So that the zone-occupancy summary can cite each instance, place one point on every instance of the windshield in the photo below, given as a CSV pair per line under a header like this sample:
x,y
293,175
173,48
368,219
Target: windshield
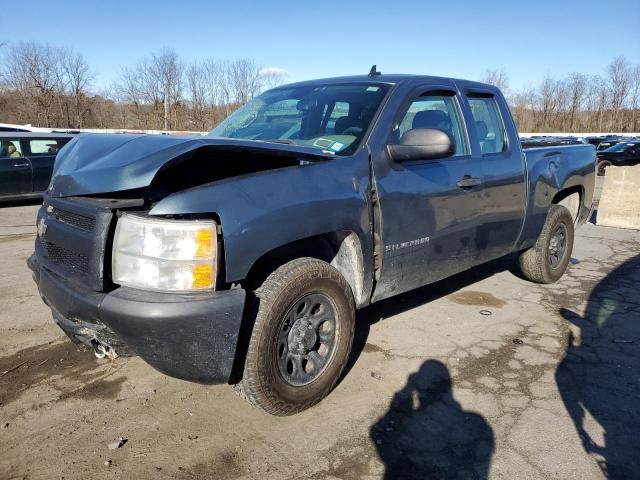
x,y
334,118
606,145
619,147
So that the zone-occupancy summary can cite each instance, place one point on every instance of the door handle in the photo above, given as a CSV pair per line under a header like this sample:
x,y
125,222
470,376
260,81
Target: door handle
x,y
21,165
469,182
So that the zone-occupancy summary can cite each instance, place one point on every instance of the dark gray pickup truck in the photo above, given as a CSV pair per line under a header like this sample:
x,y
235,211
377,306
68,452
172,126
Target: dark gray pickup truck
x,y
240,257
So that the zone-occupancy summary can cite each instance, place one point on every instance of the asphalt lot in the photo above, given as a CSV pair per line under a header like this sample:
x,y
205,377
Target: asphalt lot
x,y
481,374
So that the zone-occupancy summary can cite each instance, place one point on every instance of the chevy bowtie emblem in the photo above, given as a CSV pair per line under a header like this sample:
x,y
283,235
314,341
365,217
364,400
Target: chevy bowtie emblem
x,y
42,228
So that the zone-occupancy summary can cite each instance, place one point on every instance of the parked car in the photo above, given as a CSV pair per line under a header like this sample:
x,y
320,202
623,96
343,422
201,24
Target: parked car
x,y
241,257
609,142
26,163
533,142
620,155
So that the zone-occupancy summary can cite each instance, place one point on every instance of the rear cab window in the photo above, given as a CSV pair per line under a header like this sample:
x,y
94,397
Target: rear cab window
x,y
488,124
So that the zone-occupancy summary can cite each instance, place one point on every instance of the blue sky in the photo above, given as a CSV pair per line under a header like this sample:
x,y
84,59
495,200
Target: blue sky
x,y
330,38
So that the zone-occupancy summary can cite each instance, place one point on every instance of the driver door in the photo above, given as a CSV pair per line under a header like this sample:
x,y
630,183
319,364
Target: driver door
x,y
429,209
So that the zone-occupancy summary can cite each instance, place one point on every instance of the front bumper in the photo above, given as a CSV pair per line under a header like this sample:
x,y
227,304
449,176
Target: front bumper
x,y
192,337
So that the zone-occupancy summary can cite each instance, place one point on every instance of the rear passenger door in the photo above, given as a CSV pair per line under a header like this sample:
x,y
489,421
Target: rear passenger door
x,y
42,154
15,170
503,173
429,208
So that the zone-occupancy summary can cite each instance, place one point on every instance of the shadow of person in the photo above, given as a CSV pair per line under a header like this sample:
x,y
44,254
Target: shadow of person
x,y
427,435
599,375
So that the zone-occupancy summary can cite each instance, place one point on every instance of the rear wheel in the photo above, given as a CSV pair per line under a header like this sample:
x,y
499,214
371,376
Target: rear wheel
x,y
602,167
547,260
301,338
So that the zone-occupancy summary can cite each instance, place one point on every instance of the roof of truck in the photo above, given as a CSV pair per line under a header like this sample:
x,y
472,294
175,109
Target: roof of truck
x,y
388,78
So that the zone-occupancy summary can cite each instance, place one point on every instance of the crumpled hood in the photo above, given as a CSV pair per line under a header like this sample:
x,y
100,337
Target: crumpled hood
x,y
100,163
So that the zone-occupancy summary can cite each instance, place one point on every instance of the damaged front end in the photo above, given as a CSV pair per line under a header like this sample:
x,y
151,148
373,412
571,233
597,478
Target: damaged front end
x,y
189,335
98,180
97,336
71,244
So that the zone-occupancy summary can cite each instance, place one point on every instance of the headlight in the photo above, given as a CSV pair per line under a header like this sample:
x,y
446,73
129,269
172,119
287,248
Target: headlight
x,y
167,255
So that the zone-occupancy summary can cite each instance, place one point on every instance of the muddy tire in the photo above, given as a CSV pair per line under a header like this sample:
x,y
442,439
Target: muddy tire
x,y
301,337
547,260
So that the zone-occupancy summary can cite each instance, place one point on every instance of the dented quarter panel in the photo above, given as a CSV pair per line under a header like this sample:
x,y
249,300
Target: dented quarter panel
x,y
551,169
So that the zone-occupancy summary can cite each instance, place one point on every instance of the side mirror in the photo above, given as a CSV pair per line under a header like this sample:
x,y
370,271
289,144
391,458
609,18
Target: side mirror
x,y
423,144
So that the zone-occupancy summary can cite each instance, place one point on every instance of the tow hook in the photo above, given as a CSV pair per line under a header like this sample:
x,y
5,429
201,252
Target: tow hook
x,y
102,350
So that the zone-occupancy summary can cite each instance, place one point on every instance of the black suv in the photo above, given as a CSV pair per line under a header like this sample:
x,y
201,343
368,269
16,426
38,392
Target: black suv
x,y
625,153
26,162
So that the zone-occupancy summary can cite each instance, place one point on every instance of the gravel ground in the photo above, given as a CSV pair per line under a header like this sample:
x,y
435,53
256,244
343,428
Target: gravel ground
x,y
483,374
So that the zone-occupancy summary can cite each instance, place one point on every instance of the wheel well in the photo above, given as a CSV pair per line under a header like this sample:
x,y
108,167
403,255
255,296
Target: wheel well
x,y
340,249
571,199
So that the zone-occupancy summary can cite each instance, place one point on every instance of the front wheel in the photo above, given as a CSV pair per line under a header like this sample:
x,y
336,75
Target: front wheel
x,y
547,259
301,337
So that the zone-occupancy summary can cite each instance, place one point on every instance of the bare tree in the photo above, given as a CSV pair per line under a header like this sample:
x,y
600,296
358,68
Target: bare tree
x,y
523,104
76,79
576,85
128,91
619,72
196,79
154,86
168,70
498,78
3,43
244,79
548,100
634,98
32,69
603,100
272,77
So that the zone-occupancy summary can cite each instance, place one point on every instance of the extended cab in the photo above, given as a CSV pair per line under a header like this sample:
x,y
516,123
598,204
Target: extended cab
x,y
240,257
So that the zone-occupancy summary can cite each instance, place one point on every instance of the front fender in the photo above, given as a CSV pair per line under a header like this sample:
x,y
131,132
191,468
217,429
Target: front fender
x,y
263,211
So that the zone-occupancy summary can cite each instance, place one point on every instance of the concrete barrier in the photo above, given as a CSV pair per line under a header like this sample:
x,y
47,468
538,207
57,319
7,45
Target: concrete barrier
x,y
620,200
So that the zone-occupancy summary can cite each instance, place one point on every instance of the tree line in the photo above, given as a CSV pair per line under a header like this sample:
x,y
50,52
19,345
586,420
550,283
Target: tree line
x,y
51,86
577,102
